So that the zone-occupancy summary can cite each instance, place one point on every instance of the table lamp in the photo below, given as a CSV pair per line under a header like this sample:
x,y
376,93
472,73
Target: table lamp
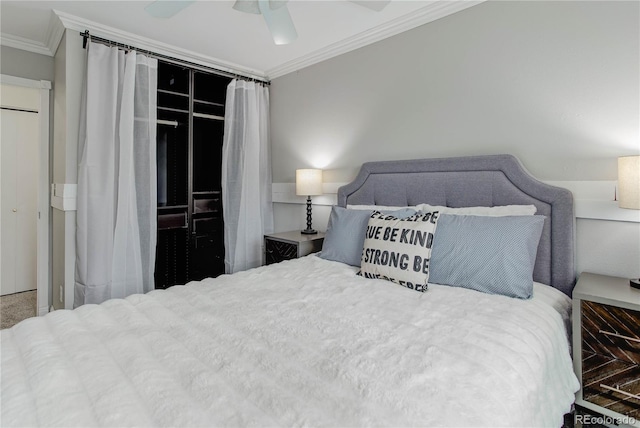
x,y
309,183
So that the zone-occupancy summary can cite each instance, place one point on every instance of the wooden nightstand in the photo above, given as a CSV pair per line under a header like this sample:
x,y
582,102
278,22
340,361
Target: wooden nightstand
x,y
606,347
290,245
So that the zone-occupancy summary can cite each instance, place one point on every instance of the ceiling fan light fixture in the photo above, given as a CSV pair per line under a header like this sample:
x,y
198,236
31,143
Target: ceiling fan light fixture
x,y
251,6
247,6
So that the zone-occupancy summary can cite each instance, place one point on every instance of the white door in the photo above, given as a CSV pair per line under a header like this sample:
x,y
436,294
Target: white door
x,y
18,205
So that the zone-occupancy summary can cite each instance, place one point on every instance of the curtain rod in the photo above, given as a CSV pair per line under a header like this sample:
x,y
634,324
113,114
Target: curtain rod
x,y
85,35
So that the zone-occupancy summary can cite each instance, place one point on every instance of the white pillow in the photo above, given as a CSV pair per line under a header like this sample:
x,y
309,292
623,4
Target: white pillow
x,y
497,211
378,207
399,250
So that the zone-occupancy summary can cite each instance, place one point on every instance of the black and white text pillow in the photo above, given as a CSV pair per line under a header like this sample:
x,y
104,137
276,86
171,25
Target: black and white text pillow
x,y
399,250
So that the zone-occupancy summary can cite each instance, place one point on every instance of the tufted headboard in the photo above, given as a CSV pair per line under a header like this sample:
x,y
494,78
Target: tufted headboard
x,y
476,181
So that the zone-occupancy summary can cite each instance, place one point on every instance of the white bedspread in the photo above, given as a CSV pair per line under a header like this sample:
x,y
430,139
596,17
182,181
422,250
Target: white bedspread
x,y
302,343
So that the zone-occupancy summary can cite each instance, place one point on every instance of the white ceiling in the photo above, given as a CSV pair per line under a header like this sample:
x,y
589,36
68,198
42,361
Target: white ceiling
x,y
213,32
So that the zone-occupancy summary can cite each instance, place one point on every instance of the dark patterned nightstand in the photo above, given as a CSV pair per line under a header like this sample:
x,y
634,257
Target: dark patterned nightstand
x,y
290,245
606,347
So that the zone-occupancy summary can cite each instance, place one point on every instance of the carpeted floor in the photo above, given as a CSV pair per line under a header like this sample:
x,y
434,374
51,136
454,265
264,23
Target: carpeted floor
x,y
16,307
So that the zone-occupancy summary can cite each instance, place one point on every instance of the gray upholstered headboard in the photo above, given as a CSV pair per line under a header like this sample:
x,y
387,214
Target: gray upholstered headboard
x,y
476,181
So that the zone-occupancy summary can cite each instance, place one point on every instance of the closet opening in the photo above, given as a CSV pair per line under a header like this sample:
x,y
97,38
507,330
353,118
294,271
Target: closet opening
x,y
190,243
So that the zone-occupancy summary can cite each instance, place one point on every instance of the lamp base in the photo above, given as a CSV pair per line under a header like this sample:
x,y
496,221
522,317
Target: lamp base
x,y
309,230
635,283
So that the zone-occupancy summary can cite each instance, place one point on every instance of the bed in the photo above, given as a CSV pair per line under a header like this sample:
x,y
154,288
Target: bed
x,y
309,342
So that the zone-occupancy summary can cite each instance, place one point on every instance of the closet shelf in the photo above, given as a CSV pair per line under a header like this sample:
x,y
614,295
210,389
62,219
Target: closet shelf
x,y
177,110
164,91
209,103
208,116
172,207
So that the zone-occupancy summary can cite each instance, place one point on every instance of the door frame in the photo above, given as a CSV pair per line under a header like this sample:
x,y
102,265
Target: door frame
x,y
43,256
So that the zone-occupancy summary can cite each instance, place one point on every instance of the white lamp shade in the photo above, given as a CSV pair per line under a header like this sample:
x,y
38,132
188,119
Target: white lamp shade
x,y
629,182
308,182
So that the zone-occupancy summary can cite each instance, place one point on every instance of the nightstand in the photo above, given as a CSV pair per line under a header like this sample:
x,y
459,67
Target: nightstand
x,y
290,245
606,347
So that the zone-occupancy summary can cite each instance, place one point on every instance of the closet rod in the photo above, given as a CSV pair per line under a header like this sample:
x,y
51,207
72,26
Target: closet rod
x,y
173,123
86,36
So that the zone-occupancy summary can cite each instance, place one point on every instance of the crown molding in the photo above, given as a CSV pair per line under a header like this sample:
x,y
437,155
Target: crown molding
x,y
54,33
74,23
24,44
435,10
48,48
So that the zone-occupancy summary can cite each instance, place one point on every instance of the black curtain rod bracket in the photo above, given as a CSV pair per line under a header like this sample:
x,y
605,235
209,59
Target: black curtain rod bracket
x,y
85,36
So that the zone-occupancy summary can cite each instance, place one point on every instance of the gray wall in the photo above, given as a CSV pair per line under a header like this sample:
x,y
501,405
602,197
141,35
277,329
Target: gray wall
x,y
554,83
70,63
58,173
28,65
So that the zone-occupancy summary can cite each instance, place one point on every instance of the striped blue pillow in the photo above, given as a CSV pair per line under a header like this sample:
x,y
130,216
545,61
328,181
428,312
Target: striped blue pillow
x,y
495,255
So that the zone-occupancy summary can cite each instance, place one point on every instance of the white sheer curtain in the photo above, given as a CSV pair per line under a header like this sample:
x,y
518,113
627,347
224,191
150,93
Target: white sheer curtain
x,y
246,175
116,203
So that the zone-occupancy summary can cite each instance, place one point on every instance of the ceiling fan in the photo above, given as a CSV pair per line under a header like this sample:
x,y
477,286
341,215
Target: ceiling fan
x,y
274,12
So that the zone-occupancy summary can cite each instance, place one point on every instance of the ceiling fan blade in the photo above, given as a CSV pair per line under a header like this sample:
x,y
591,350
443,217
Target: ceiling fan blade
x,y
279,22
376,5
166,8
